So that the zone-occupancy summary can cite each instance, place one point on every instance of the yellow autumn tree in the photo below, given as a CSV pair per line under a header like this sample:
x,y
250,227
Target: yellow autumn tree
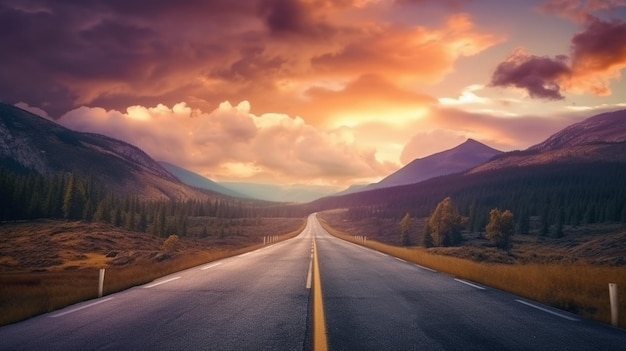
x,y
444,225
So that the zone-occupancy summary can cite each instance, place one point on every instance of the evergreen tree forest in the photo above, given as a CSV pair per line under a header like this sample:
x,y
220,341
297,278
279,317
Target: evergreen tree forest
x,y
29,195
556,195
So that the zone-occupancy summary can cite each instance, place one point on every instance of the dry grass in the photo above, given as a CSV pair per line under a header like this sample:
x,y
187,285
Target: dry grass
x,y
580,288
36,279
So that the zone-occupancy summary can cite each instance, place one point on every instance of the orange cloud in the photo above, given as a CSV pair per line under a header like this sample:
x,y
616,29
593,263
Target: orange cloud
x,y
366,98
230,142
406,54
598,56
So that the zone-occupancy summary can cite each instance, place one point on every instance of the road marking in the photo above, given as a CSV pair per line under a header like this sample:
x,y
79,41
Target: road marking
x,y
401,260
211,266
320,342
548,311
310,274
245,254
380,253
426,268
162,282
81,308
470,284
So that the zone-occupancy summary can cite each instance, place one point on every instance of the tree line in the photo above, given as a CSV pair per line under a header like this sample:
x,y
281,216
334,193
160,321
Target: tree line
x,y
74,196
556,195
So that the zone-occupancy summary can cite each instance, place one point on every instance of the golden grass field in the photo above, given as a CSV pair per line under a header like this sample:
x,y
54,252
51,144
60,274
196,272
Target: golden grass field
x,y
46,265
578,287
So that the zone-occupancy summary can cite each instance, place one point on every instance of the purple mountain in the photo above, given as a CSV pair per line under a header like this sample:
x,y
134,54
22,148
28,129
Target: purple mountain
x,y
460,158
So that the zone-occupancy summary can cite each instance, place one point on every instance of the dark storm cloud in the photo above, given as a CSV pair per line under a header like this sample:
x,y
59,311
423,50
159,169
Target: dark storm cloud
x,y
598,54
539,76
284,16
297,18
60,54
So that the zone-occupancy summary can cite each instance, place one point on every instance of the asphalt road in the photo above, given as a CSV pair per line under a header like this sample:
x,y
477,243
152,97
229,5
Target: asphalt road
x,y
260,301
255,301
377,302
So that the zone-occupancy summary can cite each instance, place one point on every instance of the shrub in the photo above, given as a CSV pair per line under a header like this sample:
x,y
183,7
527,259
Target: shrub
x,y
172,243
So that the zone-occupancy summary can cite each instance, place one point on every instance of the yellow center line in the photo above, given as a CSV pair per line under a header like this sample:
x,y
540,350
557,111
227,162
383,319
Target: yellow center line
x,y
320,343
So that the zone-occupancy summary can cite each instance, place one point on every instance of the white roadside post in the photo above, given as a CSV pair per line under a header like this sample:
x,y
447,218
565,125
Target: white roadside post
x,y
614,304
101,283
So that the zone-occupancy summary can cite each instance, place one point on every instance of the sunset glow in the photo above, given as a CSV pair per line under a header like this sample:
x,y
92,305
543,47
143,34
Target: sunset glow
x,y
313,91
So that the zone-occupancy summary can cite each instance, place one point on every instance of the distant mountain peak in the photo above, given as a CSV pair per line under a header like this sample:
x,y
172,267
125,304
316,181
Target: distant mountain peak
x,y
34,143
460,158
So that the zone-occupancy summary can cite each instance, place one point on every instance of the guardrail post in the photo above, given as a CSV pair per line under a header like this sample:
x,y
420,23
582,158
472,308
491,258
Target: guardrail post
x,y
614,303
101,283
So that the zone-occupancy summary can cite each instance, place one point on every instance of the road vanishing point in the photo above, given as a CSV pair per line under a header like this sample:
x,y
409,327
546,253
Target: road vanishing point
x,y
281,297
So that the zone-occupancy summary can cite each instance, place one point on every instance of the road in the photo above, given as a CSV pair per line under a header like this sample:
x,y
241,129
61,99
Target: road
x,y
254,301
373,301
260,301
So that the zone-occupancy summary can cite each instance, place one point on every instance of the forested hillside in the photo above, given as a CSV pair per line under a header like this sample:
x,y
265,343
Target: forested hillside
x,y
559,194
28,195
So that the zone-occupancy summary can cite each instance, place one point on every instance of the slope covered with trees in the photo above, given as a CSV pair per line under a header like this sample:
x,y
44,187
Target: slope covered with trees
x,y
29,195
558,194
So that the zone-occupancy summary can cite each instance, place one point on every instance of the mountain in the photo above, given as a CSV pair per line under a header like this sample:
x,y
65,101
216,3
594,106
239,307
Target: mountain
x,y
578,175
280,193
604,128
601,138
460,158
265,192
198,181
355,188
30,142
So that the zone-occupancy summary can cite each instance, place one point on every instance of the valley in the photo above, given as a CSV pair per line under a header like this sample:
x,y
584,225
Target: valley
x,y
62,221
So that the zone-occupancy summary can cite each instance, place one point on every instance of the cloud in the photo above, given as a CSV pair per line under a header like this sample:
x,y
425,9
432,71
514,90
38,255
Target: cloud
x,y
428,143
597,56
444,127
579,10
287,16
230,141
503,133
539,76
406,54
118,53
34,110
369,97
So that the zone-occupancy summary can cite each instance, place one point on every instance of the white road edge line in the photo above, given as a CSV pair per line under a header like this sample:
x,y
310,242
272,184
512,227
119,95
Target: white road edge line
x,y
80,308
470,284
426,268
309,276
548,311
162,282
401,260
380,253
210,266
245,254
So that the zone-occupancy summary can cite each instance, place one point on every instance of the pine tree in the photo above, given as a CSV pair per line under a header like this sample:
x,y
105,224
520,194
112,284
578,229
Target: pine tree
x,y
405,228
72,200
500,228
427,239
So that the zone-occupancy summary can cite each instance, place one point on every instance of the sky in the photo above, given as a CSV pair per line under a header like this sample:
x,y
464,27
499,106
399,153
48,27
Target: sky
x,y
315,92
